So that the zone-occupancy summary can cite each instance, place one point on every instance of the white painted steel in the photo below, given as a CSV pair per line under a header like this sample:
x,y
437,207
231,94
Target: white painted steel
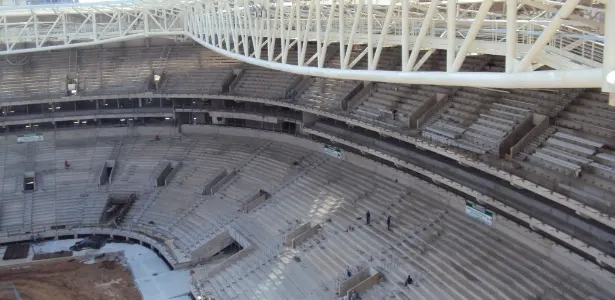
x,y
571,39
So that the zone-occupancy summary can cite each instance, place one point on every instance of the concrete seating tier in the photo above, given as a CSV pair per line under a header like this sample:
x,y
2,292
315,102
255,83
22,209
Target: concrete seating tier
x,y
449,255
33,76
590,114
267,83
192,70
386,97
467,121
573,153
438,247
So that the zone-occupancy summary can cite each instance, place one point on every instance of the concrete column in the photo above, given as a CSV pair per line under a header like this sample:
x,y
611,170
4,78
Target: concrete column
x,y
140,102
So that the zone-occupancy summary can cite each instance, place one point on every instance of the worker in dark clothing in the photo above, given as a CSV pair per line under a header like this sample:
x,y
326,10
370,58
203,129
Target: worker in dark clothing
x,y
348,272
156,138
66,164
409,280
367,217
389,223
394,113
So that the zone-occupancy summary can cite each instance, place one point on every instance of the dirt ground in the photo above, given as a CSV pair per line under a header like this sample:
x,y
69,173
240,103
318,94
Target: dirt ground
x,y
106,280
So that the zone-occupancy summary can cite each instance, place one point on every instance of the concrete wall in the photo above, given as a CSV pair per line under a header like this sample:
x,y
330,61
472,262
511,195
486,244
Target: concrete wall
x,y
245,116
293,234
349,104
222,182
176,166
515,135
105,178
346,285
238,74
208,188
441,100
154,245
254,202
305,235
212,246
365,284
229,261
165,169
424,108
541,123
309,119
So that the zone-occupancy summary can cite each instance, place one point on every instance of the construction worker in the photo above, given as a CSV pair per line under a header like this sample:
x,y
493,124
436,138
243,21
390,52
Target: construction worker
x,y
367,217
157,138
66,164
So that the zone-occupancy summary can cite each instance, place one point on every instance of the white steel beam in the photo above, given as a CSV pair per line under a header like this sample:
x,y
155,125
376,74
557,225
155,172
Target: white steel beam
x,y
370,32
383,33
608,66
355,24
476,25
511,35
546,35
423,59
323,52
584,78
404,34
433,7
451,33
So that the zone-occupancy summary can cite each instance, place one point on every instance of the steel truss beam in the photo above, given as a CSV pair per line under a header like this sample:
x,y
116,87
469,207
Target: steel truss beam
x,y
245,28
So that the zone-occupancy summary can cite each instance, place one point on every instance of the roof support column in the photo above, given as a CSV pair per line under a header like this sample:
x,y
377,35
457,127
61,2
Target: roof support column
x,y
608,62
478,22
451,33
511,35
546,35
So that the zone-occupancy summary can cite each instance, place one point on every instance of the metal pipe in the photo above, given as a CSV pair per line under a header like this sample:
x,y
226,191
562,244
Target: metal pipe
x,y
465,46
546,35
584,78
433,6
451,33
511,35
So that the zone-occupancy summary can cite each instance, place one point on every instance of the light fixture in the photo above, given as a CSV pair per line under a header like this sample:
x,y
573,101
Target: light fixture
x,y
84,122
122,120
76,122
27,126
57,107
167,118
